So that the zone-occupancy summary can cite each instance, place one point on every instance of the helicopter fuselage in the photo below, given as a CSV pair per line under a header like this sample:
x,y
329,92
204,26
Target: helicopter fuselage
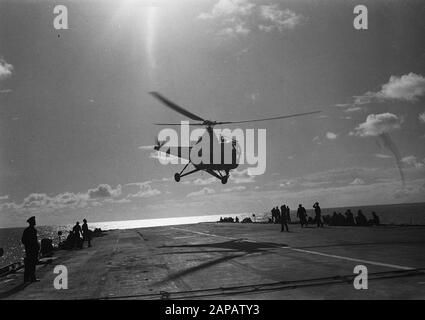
x,y
213,153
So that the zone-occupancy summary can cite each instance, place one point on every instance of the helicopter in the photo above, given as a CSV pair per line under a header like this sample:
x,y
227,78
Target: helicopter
x,y
220,170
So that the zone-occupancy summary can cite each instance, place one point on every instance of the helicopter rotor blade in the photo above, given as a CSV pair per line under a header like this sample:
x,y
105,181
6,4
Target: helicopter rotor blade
x,y
175,107
272,118
179,124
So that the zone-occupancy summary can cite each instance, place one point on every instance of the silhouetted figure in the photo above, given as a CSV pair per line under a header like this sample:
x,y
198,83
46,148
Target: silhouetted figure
x,y
326,219
274,215
46,248
361,219
277,214
283,211
29,240
76,230
283,219
375,219
288,214
86,233
302,215
334,219
318,213
237,220
1,252
349,217
341,219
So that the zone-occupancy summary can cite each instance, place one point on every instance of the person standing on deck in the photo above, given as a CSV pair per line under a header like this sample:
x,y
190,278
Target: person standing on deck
x,y
30,241
318,213
86,233
288,214
283,219
302,215
375,219
76,230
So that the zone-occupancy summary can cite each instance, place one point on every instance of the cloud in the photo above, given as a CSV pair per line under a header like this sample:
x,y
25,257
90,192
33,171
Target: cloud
x,y
119,201
316,139
69,198
412,161
331,136
410,193
50,203
146,147
357,181
409,87
42,202
9,206
382,156
204,191
36,200
422,117
5,91
204,182
278,19
240,177
104,191
377,124
235,189
353,109
334,177
225,8
3,198
239,28
6,69
233,17
160,155
145,190
342,105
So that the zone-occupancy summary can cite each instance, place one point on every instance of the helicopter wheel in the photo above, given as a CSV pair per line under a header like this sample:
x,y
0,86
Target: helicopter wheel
x,y
177,177
224,179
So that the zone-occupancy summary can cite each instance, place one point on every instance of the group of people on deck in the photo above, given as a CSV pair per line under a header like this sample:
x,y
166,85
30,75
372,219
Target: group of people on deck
x,y
348,219
283,217
32,246
79,234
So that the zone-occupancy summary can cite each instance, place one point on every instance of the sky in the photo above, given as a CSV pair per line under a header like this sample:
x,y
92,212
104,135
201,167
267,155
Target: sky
x,y
76,117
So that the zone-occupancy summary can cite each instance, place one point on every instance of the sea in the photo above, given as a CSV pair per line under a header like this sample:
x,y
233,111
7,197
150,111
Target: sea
x,y
395,214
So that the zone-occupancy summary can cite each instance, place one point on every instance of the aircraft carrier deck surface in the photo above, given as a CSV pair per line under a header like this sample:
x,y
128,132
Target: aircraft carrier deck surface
x,y
236,261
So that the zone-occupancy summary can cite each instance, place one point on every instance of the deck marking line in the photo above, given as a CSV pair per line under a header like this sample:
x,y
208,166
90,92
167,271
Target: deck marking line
x,y
205,234
311,252
353,259
185,237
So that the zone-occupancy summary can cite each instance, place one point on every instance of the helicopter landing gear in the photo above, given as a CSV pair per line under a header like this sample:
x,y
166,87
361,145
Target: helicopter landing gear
x,y
224,179
177,177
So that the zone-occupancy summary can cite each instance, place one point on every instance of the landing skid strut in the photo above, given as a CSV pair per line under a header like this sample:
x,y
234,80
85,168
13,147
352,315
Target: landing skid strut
x,y
216,173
